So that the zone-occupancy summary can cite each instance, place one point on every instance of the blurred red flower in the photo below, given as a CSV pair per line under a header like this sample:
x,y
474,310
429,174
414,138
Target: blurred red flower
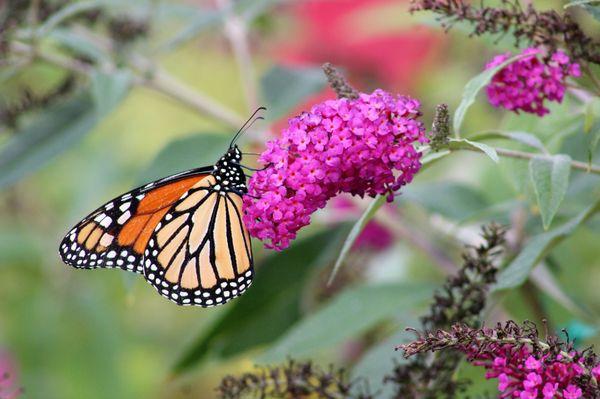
x,y
349,34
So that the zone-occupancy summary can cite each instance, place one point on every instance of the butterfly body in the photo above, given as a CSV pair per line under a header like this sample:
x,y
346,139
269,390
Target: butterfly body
x,y
183,233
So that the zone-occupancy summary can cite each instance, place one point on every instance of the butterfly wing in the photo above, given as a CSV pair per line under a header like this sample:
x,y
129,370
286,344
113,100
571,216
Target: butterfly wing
x,y
116,234
200,253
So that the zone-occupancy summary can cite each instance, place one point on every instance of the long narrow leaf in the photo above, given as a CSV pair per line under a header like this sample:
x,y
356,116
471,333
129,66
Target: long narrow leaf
x,y
67,12
355,232
537,248
474,145
550,179
51,133
346,316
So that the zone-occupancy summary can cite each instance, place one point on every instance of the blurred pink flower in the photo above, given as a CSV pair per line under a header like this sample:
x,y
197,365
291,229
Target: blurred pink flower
x,y
8,377
527,83
374,235
338,32
362,147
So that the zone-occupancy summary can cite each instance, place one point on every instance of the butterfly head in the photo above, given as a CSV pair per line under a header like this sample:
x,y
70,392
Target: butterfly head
x,y
228,172
233,155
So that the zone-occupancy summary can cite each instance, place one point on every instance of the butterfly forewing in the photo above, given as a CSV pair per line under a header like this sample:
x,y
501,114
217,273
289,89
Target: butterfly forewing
x,y
116,234
200,253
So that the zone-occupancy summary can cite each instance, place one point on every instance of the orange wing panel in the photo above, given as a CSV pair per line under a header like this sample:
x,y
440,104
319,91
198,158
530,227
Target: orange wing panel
x,y
146,233
151,209
166,195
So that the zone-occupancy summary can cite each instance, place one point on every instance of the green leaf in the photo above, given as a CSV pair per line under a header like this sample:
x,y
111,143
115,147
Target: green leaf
x,y
381,359
284,88
199,22
593,10
459,203
355,232
591,127
49,134
68,11
527,139
579,2
109,89
79,44
432,157
186,153
593,143
470,145
590,115
270,306
473,87
550,178
543,278
536,249
349,314
521,137
591,6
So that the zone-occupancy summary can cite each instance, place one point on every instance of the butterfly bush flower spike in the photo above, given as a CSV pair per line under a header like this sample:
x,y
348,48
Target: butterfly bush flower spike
x,y
526,84
363,146
524,366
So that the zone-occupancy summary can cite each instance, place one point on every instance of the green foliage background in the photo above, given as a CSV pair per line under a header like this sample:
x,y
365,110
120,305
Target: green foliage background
x,y
104,334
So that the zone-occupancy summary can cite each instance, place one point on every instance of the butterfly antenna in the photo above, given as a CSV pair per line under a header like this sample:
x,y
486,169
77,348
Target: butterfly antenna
x,y
247,124
256,170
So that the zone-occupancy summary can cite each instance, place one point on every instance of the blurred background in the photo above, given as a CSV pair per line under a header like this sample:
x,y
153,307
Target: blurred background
x,y
98,97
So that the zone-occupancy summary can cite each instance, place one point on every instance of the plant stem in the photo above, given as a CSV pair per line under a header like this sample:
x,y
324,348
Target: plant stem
x,y
504,152
236,31
152,77
167,84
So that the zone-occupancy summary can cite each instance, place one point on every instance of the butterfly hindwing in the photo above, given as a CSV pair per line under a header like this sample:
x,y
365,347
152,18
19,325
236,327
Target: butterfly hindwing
x,y
116,234
200,253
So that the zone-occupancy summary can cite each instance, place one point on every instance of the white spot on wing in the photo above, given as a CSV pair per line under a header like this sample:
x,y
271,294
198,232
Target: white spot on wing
x,y
124,217
106,222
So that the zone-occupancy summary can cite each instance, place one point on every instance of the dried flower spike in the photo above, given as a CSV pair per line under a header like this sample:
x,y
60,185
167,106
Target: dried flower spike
x,y
461,300
440,129
293,380
535,28
338,83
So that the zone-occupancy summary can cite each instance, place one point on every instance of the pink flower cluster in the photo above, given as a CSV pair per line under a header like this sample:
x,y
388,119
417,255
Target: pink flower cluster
x,y
362,147
527,83
523,374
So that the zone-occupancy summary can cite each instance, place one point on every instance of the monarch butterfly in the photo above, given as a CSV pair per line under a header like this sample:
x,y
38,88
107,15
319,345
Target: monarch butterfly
x,y
184,233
